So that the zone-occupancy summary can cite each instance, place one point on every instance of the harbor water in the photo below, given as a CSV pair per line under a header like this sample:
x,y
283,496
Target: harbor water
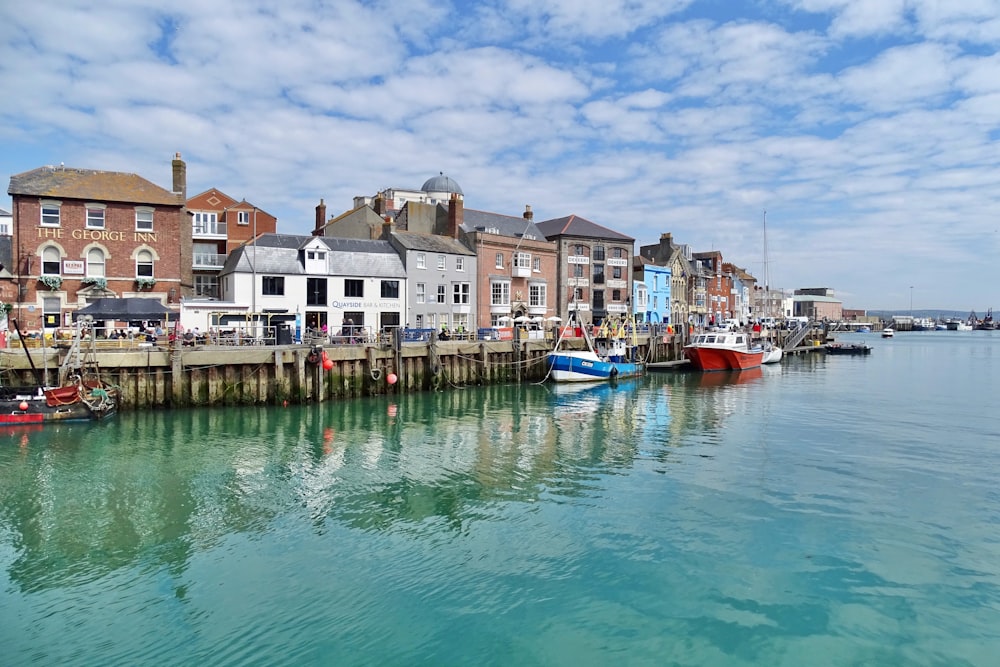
x,y
830,510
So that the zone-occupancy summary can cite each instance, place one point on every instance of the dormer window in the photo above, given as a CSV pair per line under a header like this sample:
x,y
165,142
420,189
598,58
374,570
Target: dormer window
x,y
315,255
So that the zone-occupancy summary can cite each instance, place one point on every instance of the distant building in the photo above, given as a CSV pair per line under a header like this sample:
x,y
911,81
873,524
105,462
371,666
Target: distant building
x,y
6,222
817,303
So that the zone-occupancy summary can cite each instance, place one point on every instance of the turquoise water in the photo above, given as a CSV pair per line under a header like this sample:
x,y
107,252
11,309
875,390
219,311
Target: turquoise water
x,y
827,511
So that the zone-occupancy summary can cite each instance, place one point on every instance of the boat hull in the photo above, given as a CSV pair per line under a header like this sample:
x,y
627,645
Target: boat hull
x,y
854,348
71,403
588,367
721,359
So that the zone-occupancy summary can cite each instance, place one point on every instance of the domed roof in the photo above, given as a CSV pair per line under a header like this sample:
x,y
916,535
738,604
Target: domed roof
x,y
442,183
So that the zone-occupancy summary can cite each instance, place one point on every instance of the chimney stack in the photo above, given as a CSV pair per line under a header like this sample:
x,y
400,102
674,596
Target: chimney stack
x,y
456,216
379,205
386,227
528,215
320,218
180,176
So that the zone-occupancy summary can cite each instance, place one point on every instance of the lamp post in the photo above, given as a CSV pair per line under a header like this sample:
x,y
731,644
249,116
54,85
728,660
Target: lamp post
x,y
253,270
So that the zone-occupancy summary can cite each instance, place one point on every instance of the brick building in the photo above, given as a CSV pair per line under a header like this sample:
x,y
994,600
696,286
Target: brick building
x,y
81,234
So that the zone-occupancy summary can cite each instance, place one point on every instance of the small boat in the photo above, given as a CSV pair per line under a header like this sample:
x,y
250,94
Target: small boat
x,y
772,353
847,348
80,395
722,351
956,324
888,332
608,356
864,330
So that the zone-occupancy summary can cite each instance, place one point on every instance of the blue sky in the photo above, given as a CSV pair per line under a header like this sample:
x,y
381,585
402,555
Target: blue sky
x,y
868,130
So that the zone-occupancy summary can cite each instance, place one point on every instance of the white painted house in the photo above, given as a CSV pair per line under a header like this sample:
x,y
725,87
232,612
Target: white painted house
x,y
325,281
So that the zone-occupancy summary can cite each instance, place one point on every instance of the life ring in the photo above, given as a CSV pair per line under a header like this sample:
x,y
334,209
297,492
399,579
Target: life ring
x,y
313,358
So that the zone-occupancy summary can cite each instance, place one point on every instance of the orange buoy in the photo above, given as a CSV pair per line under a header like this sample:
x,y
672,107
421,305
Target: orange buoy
x,y
391,378
23,406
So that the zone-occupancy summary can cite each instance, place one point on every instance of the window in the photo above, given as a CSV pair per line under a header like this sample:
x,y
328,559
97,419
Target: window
x,y
206,286
598,274
51,261
50,213
421,293
390,289
355,288
441,294
578,250
522,260
272,286
461,294
205,222
315,291
500,293
460,264
578,270
536,295
143,219
537,265
420,321
499,263
144,264
95,216
598,253
618,253
616,272
616,295
315,256
421,260
95,263
578,294
598,299
441,263
243,217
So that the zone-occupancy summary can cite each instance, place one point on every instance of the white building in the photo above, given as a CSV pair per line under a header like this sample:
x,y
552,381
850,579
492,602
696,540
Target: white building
x,y
326,282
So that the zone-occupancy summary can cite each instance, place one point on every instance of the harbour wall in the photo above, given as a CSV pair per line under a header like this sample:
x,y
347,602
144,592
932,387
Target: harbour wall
x,y
155,377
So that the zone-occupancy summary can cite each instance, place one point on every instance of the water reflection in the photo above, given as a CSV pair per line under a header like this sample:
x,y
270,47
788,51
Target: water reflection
x,y
82,500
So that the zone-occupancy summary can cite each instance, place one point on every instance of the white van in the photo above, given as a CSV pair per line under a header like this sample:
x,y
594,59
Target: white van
x,y
797,321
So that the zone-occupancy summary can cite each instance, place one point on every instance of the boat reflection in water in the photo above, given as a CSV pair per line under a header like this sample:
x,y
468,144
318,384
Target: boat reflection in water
x,y
725,378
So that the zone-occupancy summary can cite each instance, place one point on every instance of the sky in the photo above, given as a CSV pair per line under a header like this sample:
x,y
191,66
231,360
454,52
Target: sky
x,y
860,138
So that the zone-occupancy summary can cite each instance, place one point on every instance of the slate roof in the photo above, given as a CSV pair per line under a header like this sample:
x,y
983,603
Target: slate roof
x,y
506,225
431,243
92,185
574,225
279,254
5,212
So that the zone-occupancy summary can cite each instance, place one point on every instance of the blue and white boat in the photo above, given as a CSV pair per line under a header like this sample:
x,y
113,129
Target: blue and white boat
x,y
609,356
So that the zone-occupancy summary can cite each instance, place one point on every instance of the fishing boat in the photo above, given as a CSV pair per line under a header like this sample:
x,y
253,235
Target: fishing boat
x,y
609,355
888,332
723,351
80,394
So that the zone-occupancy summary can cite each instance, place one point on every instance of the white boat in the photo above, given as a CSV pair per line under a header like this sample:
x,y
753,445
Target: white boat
x,y
772,353
958,325
888,332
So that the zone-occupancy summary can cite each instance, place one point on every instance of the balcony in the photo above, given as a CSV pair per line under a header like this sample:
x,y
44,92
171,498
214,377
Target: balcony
x,y
521,272
208,230
208,260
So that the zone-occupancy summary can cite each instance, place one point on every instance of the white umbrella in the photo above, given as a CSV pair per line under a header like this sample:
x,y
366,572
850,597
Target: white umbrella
x,y
538,318
554,318
503,318
521,319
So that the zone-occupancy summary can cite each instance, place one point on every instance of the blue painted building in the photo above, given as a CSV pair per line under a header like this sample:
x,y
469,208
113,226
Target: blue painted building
x,y
650,291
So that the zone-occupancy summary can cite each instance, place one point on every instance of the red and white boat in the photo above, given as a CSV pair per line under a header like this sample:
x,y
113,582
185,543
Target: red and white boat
x,y
723,351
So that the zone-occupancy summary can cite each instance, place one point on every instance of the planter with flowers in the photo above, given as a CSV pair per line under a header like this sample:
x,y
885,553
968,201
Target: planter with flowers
x,y
51,282
145,283
96,283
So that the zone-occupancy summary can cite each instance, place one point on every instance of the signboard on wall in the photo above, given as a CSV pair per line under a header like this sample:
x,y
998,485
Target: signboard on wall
x,y
73,267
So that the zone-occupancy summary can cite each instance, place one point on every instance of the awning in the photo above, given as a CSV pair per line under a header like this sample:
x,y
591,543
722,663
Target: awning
x,y
127,310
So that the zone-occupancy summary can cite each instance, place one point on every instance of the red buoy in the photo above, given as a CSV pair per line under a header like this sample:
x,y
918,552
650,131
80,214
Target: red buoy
x,y
23,406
